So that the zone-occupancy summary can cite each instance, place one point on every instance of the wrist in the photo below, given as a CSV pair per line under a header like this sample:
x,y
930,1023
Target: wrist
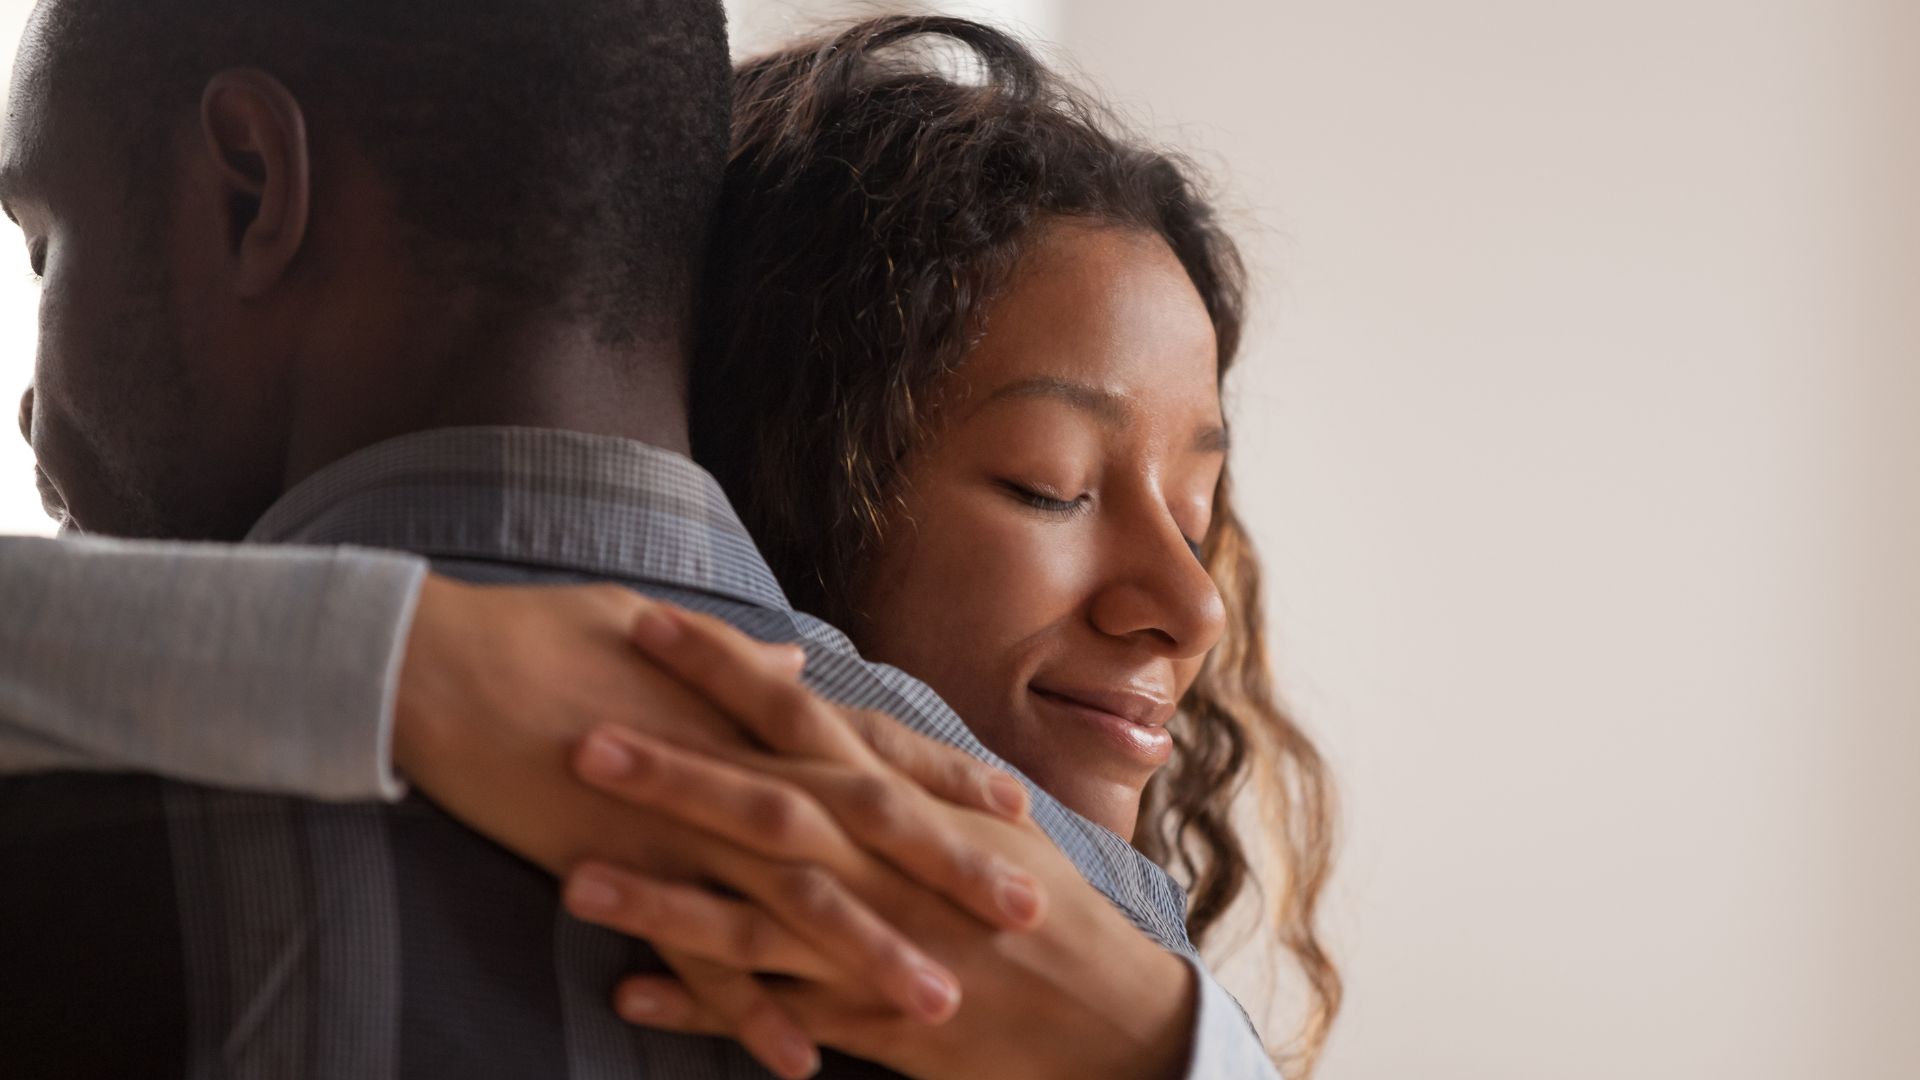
x,y
1144,1032
424,676
1169,1022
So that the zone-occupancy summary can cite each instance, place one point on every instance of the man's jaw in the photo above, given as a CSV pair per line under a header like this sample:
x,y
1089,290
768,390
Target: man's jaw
x,y
50,498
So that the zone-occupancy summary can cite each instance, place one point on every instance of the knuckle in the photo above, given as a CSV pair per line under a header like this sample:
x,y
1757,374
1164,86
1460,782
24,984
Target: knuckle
x,y
756,1011
971,866
960,774
790,712
876,804
878,729
812,892
794,703
755,941
773,815
887,955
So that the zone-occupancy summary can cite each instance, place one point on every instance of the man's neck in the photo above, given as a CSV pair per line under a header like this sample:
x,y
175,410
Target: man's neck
x,y
540,374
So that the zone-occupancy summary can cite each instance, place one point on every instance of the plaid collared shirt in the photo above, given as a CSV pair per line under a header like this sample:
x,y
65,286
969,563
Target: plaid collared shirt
x,y
157,928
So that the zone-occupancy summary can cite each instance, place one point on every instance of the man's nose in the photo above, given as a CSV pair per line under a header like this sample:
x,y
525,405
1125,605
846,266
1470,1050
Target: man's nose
x,y
26,415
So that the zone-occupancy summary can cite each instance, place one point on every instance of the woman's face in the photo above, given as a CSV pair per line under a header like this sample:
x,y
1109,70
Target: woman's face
x,y
1041,572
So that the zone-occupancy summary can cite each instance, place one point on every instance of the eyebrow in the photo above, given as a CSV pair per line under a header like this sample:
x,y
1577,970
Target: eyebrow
x,y
1112,409
1105,404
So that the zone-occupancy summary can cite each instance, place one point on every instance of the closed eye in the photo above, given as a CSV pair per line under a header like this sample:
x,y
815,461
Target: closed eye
x,y
1040,500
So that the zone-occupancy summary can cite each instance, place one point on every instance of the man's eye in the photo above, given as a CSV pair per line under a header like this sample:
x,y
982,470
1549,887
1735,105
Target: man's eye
x,y
1198,547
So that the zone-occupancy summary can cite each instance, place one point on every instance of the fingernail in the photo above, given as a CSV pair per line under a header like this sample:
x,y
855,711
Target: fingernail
x,y
1006,794
656,629
590,890
605,758
1019,898
800,1057
639,1004
934,994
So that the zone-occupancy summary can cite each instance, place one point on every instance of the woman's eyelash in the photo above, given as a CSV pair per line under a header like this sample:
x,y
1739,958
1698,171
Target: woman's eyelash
x,y
1051,505
1041,501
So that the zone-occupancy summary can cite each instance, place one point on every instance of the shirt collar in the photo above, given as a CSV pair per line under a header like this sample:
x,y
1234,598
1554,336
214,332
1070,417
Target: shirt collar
x,y
560,500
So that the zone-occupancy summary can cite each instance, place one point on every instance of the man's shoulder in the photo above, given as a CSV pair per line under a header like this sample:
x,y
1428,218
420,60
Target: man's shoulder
x,y
836,671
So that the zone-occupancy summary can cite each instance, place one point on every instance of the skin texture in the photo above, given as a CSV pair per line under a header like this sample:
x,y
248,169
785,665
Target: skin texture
x,y
110,376
1040,573
204,349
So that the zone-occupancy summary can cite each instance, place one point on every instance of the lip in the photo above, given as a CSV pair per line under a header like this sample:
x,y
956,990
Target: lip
x,y
1132,723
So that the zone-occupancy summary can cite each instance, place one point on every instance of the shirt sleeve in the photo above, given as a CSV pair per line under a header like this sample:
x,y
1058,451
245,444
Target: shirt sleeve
x,y
271,669
1225,1044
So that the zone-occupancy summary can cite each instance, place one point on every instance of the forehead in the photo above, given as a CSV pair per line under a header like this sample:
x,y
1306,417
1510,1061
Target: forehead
x,y
1109,307
27,128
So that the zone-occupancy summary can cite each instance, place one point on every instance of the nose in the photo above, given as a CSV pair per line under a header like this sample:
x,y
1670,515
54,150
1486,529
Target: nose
x,y
26,415
1159,594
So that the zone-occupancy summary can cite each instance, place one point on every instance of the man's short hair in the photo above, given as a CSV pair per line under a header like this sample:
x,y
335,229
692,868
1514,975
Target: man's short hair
x,y
551,152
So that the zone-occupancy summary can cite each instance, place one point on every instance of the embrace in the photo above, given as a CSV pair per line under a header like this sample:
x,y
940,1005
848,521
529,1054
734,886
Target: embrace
x,y
587,561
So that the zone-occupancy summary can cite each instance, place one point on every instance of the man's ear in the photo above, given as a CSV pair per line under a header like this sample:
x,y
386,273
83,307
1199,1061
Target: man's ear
x,y
256,140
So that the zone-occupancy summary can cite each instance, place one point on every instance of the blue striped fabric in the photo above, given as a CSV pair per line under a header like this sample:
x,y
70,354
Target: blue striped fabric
x,y
263,936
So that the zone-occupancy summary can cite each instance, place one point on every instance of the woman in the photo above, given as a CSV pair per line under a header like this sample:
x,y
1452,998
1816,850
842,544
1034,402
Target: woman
x,y
960,376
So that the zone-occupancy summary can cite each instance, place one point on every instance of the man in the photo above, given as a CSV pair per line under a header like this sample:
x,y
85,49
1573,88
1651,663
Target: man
x,y
330,273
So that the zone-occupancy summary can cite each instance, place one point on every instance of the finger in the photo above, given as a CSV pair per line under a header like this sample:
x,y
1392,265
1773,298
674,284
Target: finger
x,y
882,810
736,674
894,818
668,1005
690,921
751,1016
657,1002
783,862
813,903
757,811
945,771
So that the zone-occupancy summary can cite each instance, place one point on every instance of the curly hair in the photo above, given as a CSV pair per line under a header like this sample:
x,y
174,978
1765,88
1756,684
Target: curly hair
x,y
873,205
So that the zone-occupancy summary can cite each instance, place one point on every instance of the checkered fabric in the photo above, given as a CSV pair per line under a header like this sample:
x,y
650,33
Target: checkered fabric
x,y
154,928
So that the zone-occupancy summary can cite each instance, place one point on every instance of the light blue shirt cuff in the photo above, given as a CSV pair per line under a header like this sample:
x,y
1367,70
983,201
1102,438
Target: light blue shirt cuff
x,y
269,669
1225,1044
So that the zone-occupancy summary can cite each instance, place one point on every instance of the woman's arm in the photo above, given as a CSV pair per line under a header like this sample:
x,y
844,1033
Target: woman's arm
x,y
1082,994
279,669
169,658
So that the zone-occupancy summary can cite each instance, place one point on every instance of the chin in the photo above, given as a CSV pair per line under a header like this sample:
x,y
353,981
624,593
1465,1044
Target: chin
x,y
1111,804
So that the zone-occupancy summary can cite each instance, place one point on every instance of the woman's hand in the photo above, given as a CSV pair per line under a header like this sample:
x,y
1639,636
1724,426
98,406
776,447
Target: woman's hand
x,y
500,683
1083,994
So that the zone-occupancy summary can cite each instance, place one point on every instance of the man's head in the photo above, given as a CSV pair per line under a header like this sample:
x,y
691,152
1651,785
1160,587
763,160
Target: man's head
x,y
248,212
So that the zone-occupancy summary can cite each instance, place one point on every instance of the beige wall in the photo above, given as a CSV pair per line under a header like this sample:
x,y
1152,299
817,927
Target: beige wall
x,y
1580,433
1579,430
19,504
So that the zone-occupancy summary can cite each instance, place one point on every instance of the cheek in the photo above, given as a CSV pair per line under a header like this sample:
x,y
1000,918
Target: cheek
x,y
967,596
82,316
62,383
